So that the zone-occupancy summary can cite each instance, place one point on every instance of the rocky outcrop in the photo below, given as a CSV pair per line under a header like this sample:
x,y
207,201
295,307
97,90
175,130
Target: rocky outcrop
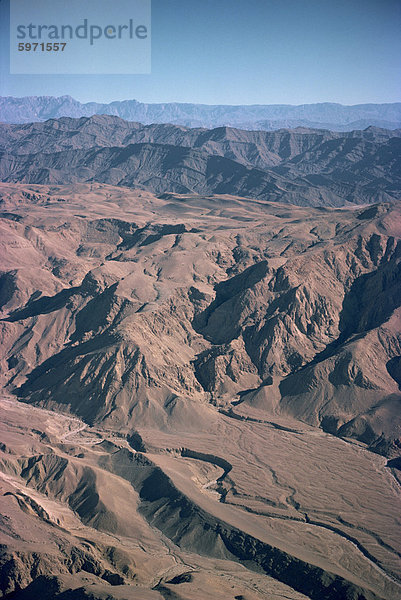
x,y
166,317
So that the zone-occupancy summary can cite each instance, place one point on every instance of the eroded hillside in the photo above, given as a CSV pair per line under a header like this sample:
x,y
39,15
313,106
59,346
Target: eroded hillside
x,y
232,361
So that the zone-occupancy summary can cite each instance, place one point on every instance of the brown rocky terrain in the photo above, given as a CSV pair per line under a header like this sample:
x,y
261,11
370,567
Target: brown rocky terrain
x,y
202,395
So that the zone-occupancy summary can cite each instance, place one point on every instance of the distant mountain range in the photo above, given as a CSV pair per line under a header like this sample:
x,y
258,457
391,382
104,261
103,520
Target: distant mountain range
x,y
332,116
304,166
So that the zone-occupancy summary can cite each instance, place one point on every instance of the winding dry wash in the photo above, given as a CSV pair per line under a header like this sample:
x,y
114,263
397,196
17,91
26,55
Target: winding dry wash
x,y
201,363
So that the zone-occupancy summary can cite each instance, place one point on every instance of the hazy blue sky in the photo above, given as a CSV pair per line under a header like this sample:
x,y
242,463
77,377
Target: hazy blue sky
x,y
248,52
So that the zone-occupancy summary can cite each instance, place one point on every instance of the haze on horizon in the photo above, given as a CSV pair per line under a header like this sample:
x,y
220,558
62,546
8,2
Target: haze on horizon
x,y
255,52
